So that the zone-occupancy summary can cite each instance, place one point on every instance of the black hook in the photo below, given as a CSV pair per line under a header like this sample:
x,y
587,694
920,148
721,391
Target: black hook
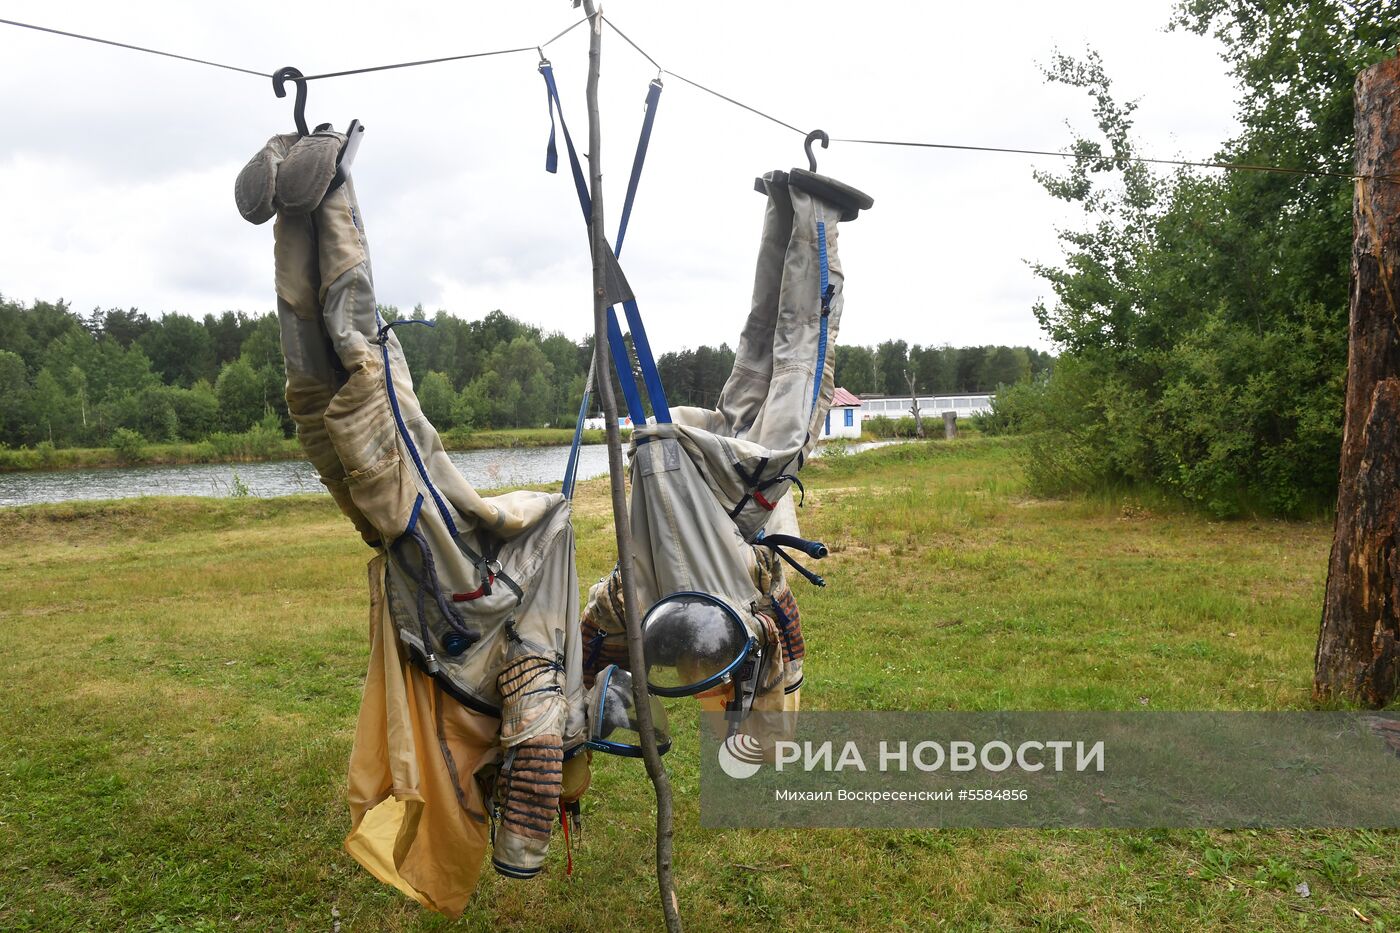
x,y
279,87
807,145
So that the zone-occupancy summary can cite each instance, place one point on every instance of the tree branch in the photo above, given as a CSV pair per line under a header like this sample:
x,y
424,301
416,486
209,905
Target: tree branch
x,y
623,530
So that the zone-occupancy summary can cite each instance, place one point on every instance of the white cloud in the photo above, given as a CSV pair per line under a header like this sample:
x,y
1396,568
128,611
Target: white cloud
x,y
116,169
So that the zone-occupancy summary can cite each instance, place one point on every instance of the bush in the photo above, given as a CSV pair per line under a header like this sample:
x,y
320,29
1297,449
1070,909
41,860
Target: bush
x,y
885,428
259,442
1014,407
882,427
836,449
128,444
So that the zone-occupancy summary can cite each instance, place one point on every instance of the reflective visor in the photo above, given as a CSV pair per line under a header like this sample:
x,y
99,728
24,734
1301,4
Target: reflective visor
x,y
612,716
692,642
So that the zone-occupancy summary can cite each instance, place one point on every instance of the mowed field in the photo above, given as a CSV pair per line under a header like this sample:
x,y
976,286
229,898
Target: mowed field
x,y
179,681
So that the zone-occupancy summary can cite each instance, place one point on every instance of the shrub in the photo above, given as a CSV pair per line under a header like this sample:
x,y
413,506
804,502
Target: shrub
x,y
837,449
128,444
882,427
259,442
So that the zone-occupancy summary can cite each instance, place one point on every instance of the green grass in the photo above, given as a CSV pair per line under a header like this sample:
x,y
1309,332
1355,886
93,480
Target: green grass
x,y
179,680
46,457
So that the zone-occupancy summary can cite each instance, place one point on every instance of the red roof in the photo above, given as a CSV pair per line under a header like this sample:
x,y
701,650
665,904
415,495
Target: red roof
x,y
844,399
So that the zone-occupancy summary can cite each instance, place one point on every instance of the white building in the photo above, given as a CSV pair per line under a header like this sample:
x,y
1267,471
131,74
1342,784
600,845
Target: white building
x,y
842,419
597,424
931,406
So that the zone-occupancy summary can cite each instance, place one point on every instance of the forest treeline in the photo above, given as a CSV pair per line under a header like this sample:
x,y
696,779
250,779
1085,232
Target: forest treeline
x,y
74,380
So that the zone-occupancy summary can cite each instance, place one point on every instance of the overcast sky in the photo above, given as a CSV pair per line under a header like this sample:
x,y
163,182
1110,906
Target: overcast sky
x,y
117,168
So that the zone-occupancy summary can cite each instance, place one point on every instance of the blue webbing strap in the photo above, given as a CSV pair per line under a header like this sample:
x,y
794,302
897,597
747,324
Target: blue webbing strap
x,y
825,297
621,358
650,375
551,158
571,471
622,363
653,98
408,439
551,164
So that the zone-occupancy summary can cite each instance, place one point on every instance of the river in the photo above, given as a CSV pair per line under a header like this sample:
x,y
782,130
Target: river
x,y
486,469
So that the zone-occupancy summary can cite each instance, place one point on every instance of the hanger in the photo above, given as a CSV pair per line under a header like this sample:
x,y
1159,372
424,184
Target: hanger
x,y
346,157
812,137
850,201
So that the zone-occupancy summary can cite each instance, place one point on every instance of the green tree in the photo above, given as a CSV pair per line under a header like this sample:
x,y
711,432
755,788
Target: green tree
x,y
151,413
1202,316
438,398
240,392
226,334
125,327
1005,366
76,382
30,331
526,380
14,398
475,406
53,409
892,361
181,350
196,410
855,369
563,355
262,344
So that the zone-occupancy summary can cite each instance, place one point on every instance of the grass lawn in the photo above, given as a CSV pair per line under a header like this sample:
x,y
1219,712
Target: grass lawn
x,y
179,680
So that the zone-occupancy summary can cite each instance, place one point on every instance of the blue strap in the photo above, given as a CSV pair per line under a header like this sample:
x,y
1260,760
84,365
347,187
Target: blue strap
x,y
650,375
621,361
551,158
621,358
653,98
571,471
825,296
551,165
408,440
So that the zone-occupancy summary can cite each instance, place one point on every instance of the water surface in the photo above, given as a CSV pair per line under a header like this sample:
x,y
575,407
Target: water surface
x,y
486,469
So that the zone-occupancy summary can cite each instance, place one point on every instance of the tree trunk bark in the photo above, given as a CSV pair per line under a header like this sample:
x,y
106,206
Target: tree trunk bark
x,y
656,770
914,406
1358,646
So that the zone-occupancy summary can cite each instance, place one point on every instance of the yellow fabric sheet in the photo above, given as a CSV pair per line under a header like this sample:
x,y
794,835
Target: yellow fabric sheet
x,y
410,829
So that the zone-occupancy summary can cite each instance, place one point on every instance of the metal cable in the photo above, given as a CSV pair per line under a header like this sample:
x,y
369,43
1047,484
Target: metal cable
x,y
135,48
315,77
425,61
634,45
1230,166
707,90
450,58
1233,166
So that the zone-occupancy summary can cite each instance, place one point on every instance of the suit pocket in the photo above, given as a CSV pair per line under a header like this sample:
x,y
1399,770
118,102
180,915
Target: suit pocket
x,y
361,426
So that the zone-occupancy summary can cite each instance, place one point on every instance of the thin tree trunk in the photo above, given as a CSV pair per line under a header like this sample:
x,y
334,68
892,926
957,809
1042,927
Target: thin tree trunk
x,y
623,530
914,405
1358,645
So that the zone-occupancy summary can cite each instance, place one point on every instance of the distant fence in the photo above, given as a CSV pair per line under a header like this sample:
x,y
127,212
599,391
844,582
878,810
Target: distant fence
x,y
894,407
